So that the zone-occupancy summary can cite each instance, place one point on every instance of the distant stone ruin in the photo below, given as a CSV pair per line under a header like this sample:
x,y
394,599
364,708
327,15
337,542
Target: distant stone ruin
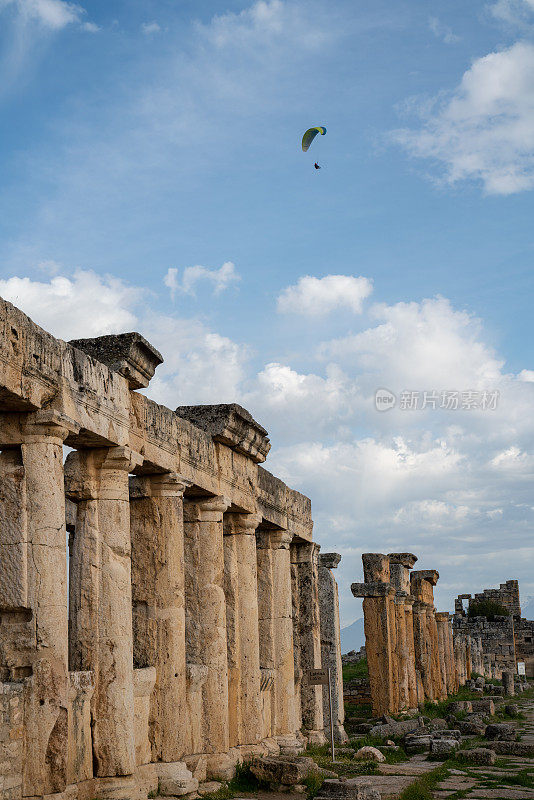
x,y
170,636
505,639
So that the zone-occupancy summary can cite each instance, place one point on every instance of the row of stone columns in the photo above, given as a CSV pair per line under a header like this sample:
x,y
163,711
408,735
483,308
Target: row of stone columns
x,y
215,603
409,646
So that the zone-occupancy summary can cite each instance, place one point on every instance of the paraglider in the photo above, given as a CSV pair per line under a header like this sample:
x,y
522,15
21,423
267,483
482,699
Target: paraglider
x,y
308,138
310,135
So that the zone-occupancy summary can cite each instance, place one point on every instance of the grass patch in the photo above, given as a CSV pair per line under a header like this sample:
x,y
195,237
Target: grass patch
x,y
344,765
313,783
423,787
243,781
355,671
360,710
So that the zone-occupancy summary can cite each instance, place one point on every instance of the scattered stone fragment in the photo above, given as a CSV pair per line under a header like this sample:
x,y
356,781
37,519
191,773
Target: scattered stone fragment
x,y
443,747
500,731
478,755
369,754
208,787
347,790
283,770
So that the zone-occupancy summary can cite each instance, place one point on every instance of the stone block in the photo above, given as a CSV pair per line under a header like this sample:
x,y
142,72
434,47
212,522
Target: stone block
x,y
126,353
444,747
347,790
500,732
175,780
485,706
482,756
369,754
232,425
283,770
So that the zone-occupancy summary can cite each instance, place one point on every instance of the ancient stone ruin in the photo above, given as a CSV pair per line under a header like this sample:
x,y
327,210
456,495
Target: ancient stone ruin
x,y
505,640
410,650
171,636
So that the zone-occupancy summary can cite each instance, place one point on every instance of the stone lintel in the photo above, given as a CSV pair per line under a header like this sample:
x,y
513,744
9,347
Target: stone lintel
x,y
406,559
232,425
430,575
329,560
126,353
375,589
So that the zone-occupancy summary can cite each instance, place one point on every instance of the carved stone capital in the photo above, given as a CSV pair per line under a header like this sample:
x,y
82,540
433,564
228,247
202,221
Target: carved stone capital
x,y
241,524
274,540
329,560
305,553
374,589
48,424
167,484
206,509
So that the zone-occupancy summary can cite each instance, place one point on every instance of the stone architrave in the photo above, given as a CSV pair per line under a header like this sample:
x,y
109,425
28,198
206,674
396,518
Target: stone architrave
x,y
400,565
307,636
241,590
205,617
331,643
276,626
157,531
46,692
380,634
101,598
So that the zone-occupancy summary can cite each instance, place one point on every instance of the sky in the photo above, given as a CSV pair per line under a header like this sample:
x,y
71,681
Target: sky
x,y
152,179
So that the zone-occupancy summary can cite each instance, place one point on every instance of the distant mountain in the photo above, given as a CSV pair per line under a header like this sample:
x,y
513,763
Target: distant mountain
x,y
352,637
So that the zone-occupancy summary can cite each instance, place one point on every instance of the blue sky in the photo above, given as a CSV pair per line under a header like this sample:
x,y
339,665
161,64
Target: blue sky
x,y
151,177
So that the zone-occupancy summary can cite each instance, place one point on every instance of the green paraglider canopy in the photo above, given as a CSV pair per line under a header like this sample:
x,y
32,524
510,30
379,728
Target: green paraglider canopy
x,y
310,135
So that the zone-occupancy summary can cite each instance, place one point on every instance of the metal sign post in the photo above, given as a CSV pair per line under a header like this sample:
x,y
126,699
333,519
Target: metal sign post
x,y
322,677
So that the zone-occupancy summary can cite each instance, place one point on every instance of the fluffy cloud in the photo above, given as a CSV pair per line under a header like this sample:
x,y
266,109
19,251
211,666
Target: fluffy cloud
x,y
319,296
53,14
484,129
220,278
85,305
426,345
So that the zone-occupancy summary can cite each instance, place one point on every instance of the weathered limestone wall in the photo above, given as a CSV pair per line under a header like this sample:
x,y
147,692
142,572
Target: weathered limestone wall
x,y
492,643
410,651
178,638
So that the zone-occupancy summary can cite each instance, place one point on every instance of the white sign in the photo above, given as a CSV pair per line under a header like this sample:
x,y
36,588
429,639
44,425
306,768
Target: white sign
x,y
521,668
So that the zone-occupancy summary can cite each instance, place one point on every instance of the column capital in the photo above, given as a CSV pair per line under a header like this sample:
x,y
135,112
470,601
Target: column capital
x,y
329,560
206,509
46,424
274,540
241,523
374,589
305,552
120,458
166,484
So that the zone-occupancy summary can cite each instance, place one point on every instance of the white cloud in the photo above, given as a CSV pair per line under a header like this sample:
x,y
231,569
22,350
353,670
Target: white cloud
x,y
512,12
319,296
85,305
220,278
526,375
421,346
442,31
484,129
149,28
53,14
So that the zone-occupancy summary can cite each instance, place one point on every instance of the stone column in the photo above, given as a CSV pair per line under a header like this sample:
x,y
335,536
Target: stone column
x,y
205,613
101,598
400,565
379,623
307,637
157,531
241,590
425,633
46,695
331,643
508,682
442,622
276,626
